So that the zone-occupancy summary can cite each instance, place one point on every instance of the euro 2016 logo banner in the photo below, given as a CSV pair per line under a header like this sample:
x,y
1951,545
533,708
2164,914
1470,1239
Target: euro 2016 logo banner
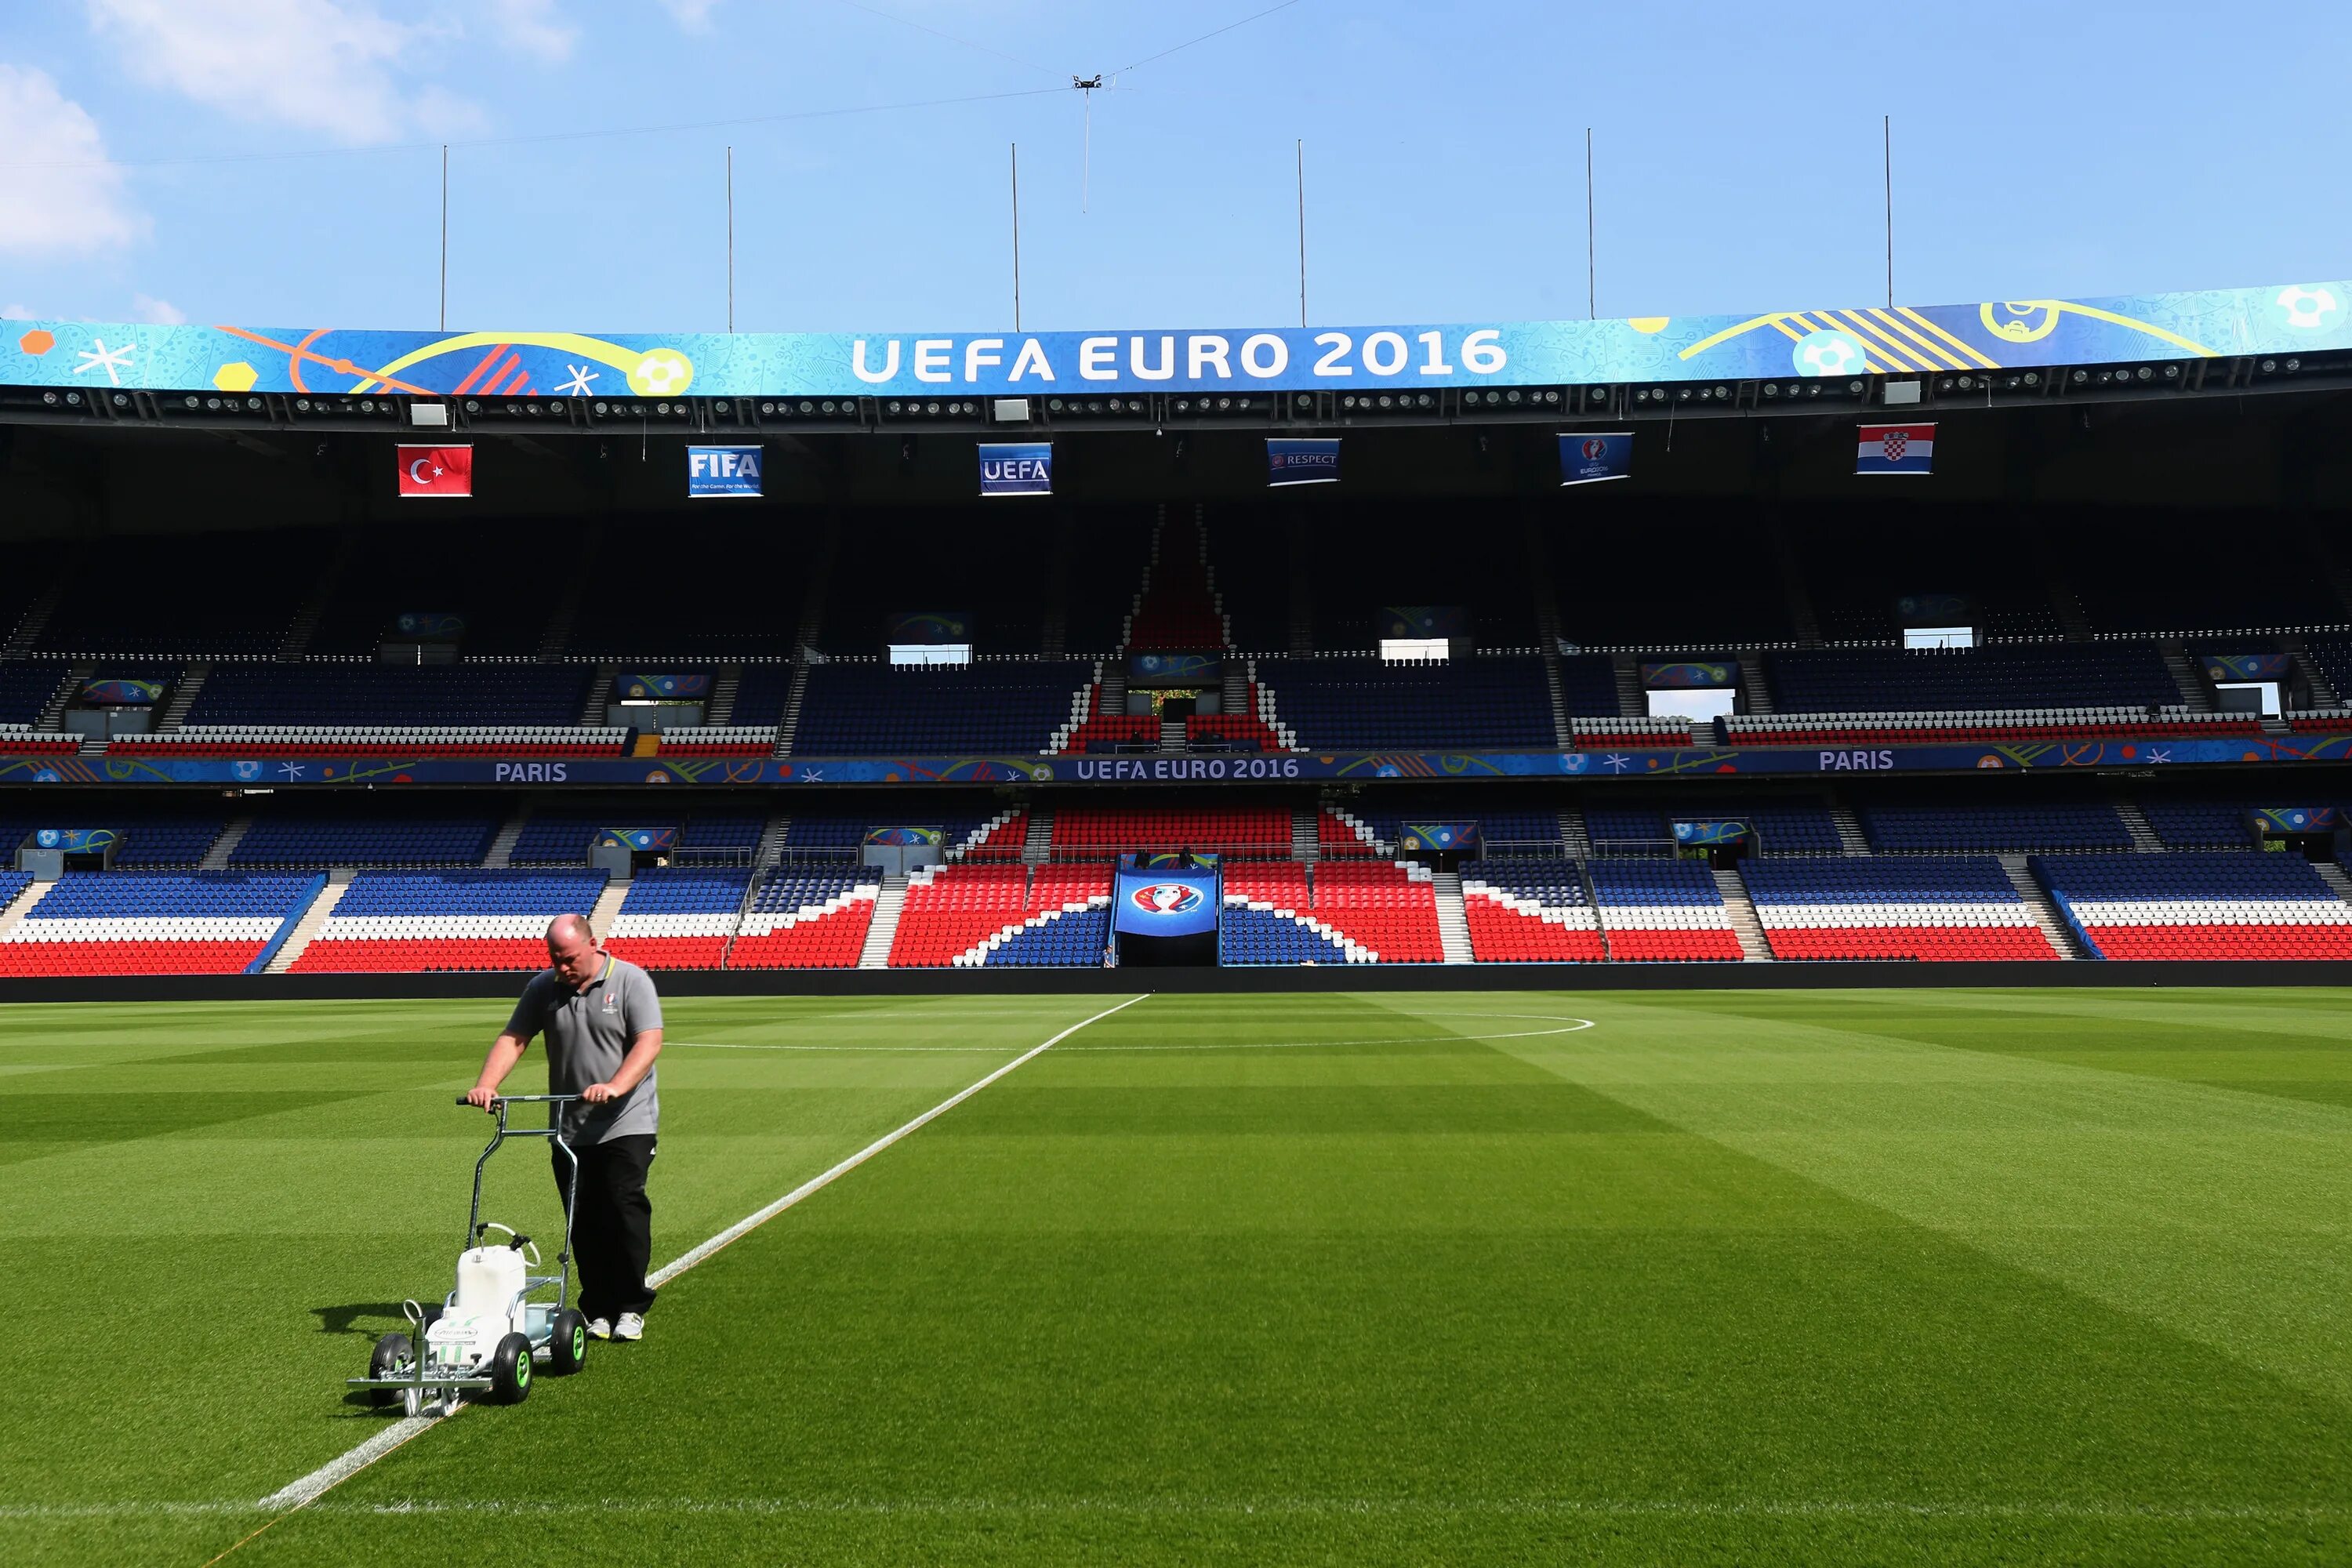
x,y
1164,905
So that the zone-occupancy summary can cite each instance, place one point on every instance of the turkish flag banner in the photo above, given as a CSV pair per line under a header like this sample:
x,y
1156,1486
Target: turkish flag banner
x,y
436,470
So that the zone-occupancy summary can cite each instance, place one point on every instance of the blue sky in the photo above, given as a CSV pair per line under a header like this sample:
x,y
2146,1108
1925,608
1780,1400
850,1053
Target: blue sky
x,y
2064,148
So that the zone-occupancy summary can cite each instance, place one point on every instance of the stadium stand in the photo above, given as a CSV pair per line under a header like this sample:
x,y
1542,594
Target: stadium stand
x,y
1661,909
2200,823
1617,831
1529,911
494,575
1112,828
154,922
439,697
1927,908
409,921
402,741
735,593
863,708
1268,918
679,917
1863,681
26,689
1974,829
807,916
970,915
190,596
2214,905
316,833
2011,724
929,564
1355,704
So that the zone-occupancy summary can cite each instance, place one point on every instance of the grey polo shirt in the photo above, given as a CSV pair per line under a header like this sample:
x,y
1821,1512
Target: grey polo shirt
x,y
588,1034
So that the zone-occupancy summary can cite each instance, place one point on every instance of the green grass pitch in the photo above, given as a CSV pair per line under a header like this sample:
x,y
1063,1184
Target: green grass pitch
x,y
1885,1277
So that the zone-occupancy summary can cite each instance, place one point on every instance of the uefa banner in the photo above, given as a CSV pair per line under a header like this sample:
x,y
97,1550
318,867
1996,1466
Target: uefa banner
x,y
1314,461
1016,467
721,471
1587,457
1165,903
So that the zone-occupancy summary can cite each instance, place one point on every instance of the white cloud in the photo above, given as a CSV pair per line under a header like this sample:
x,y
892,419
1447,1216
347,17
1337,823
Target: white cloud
x,y
694,15
328,65
57,194
146,307
535,27
18,313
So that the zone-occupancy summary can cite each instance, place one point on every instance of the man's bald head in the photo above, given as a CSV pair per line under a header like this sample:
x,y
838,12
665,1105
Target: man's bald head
x,y
571,949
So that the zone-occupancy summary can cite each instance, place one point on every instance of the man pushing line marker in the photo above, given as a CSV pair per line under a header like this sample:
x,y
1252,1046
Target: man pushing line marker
x,y
604,1025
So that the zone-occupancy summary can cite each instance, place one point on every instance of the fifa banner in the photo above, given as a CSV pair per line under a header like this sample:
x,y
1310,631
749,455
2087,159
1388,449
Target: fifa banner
x,y
1438,837
927,629
2220,667
1302,461
77,840
721,471
1934,610
1432,621
121,693
432,472
1178,671
428,625
1709,834
1165,904
679,687
1016,467
1689,674
1895,449
638,837
2278,821
1587,458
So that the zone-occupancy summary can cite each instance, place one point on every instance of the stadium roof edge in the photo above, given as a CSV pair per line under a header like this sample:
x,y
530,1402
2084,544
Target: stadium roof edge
x,y
2292,319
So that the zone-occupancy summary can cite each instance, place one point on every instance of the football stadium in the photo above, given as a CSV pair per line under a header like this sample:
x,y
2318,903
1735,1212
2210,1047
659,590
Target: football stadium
x,y
1708,939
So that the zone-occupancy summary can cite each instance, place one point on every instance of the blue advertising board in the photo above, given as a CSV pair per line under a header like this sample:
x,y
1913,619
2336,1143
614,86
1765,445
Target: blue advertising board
x,y
96,357
713,472
1165,904
1016,467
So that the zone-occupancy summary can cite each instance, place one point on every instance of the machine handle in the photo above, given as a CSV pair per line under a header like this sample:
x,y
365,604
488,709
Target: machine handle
x,y
523,1100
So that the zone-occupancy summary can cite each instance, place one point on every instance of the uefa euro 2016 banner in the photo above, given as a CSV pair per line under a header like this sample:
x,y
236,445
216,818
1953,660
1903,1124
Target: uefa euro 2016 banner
x,y
121,693
927,629
1701,674
679,686
638,837
77,840
2248,666
1691,834
97,359
1165,904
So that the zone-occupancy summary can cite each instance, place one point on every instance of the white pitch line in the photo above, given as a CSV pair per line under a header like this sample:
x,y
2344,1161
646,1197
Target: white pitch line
x,y
297,1494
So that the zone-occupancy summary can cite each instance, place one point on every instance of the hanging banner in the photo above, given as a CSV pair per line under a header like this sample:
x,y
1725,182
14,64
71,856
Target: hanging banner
x,y
77,840
121,693
932,836
2220,667
1016,467
1302,461
1895,449
1587,458
1688,674
1166,903
1427,837
2275,821
1173,670
1934,610
428,625
683,685
1709,834
438,472
1449,621
638,837
721,471
927,629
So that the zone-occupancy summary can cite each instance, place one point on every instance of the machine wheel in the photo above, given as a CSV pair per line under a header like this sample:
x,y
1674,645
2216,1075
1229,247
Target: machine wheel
x,y
386,1358
567,1347
510,1371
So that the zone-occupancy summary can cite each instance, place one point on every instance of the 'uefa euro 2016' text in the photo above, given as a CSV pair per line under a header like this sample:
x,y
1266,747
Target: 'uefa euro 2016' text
x,y
1185,360
1161,769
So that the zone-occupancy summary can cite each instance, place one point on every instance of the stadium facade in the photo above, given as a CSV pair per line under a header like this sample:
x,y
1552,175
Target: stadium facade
x,y
1813,646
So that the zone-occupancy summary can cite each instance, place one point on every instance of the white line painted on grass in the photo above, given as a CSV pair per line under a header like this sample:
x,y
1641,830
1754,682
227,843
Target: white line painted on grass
x,y
299,1494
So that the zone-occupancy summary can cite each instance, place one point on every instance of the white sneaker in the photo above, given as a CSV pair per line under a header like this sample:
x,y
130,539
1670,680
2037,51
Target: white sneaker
x,y
599,1328
628,1326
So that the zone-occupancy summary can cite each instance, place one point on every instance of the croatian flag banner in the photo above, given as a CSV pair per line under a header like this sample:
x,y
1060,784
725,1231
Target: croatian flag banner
x,y
1895,449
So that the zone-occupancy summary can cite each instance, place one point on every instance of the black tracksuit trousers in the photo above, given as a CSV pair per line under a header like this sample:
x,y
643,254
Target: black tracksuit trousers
x,y
613,1227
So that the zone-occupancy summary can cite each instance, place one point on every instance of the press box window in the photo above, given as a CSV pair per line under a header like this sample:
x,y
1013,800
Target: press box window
x,y
1395,649
1939,637
931,652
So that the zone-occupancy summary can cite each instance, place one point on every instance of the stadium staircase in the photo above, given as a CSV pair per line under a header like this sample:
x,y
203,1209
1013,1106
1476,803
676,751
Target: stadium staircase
x,y
217,858
174,716
1753,946
500,856
789,722
36,619
2018,869
1630,702
1171,736
2143,837
599,697
2196,695
2323,690
296,643
608,904
1752,684
1452,925
1851,839
720,711
812,626
566,614
313,919
24,900
2330,872
2064,603
1801,619
1305,841
1572,834
888,905
53,712
1037,843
